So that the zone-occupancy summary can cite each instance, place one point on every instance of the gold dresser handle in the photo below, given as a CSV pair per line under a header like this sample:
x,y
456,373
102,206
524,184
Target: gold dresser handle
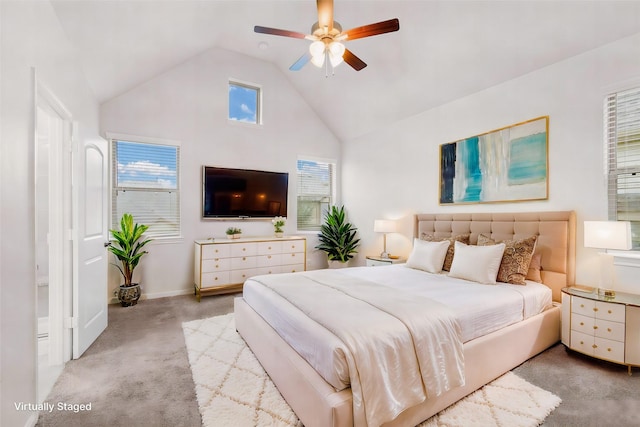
x,y
595,308
595,327
594,346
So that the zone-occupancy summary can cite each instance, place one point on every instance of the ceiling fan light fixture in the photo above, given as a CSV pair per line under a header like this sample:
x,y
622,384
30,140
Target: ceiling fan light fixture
x,y
317,50
336,50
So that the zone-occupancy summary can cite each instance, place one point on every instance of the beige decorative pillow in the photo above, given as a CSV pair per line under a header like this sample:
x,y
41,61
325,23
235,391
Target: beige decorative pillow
x,y
534,268
516,259
448,259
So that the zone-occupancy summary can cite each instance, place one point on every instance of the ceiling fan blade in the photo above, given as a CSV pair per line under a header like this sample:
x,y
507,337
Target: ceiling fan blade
x,y
301,62
325,13
277,32
372,29
355,62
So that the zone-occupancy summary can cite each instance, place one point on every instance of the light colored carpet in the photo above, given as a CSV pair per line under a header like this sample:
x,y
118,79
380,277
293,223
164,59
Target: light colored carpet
x,y
233,389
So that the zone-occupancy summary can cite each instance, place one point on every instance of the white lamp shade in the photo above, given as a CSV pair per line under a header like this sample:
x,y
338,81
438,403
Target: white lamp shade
x,y
317,50
384,226
607,234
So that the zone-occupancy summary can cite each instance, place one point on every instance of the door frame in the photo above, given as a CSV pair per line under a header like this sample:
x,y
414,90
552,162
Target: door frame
x,y
60,222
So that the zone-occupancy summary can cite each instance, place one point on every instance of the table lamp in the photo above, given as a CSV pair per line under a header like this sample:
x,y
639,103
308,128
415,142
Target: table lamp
x,y
384,226
607,235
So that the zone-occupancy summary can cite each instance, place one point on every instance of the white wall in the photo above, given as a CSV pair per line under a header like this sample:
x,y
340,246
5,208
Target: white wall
x,y
393,173
30,37
189,103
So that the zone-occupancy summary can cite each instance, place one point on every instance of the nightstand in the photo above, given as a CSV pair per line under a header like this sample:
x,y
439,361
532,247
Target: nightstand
x,y
606,327
375,261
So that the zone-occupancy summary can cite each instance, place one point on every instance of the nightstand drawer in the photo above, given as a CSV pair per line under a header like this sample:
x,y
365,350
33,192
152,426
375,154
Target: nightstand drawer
x,y
610,311
584,324
609,330
377,262
609,350
583,306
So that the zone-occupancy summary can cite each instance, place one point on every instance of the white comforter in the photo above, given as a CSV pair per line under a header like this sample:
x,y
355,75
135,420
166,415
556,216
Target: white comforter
x,y
400,347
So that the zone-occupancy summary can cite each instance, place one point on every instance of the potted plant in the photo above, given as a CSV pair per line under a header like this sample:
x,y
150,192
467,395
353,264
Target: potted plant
x,y
233,233
338,237
127,248
278,222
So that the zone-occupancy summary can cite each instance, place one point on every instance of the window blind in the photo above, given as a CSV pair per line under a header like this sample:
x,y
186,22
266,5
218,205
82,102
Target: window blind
x,y
622,135
146,185
316,188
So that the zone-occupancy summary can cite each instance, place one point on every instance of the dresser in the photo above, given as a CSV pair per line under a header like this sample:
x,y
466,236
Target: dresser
x,y
221,266
606,327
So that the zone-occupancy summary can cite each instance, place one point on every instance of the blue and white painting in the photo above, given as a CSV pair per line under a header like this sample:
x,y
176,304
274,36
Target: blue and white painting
x,y
508,164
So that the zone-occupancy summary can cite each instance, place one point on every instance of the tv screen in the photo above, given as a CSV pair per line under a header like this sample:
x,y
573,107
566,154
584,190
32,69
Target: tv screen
x,y
229,193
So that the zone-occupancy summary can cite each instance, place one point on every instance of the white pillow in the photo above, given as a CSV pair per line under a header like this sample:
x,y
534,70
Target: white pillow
x,y
428,256
477,263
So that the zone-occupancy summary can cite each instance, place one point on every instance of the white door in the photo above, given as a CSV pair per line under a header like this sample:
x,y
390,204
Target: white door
x,y
91,187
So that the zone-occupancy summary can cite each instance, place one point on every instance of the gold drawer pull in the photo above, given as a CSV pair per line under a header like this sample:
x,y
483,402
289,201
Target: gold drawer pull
x,y
581,305
595,308
581,342
215,278
609,311
217,266
293,271
581,323
244,276
269,247
244,249
594,346
609,349
595,327
608,329
269,271
244,258
269,257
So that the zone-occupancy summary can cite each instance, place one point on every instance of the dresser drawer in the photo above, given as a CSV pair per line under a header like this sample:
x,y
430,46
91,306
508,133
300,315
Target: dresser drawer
x,y
215,279
239,276
292,268
216,251
292,258
609,350
269,248
216,264
244,262
269,260
293,246
244,249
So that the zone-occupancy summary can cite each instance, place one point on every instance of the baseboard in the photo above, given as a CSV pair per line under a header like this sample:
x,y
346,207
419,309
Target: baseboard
x,y
155,295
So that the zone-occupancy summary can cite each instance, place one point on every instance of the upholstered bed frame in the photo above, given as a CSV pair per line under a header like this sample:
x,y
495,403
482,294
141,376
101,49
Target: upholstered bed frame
x,y
318,404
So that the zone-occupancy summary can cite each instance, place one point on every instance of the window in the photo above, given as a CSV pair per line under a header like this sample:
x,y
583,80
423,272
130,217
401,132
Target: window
x,y
244,103
622,138
316,192
146,184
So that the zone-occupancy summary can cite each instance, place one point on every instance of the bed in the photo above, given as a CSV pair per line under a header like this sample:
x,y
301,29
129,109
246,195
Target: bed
x,y
321,398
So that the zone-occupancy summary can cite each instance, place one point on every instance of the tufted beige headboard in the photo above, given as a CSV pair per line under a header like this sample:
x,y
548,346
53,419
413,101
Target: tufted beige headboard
x,y
556,233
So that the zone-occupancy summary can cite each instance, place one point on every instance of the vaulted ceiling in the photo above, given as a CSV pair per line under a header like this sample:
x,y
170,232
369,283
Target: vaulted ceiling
x,y
444,50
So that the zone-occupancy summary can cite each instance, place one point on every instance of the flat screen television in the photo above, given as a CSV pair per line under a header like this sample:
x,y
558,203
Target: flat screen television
x,y
243,193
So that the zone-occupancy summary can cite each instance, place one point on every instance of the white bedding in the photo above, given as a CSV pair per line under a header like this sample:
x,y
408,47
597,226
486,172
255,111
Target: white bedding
x,y
479,309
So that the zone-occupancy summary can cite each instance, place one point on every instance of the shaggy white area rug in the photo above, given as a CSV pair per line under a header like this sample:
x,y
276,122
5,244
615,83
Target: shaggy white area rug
x,y
233,389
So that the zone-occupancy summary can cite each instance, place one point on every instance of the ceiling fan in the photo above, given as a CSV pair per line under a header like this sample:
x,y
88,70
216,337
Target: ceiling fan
x,y
327,37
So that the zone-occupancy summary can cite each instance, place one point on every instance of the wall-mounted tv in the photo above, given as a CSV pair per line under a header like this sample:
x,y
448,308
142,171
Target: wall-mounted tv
x,y
243,193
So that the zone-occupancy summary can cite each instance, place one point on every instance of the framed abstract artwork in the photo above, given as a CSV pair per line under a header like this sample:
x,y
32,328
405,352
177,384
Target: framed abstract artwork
x,y
504,165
